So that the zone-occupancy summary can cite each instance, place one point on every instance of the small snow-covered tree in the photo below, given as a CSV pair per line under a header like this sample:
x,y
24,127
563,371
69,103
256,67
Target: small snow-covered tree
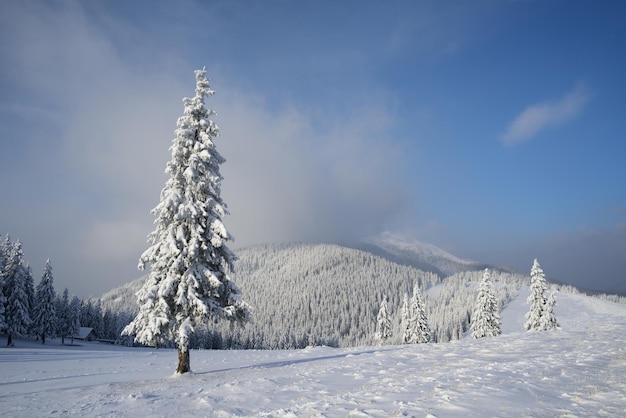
x,y
44,311
416,329
3,300
29,288
62,311
188,282
419,315
536,299
73,318
5,249
548,318
383,320
17,309
109,325
91,316
485,321
406,321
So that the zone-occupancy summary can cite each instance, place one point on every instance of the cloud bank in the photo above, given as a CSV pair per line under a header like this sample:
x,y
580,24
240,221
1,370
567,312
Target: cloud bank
x,y
541,116
292,172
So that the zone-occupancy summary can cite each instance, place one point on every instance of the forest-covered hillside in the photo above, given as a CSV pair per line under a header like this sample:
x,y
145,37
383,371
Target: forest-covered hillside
x,y
321,294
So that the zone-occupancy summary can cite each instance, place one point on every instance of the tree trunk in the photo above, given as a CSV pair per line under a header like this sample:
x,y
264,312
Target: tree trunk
x,y
43,338
9,340
183,360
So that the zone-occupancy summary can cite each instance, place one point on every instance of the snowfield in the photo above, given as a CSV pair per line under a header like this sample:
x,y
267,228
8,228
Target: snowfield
x,y
579,370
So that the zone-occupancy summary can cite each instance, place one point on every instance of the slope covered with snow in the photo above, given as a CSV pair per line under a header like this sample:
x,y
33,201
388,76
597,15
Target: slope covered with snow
x,y
576,371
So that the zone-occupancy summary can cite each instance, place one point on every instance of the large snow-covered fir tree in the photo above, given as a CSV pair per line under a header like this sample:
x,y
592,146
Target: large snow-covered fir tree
x,y
485,320
383,322
17,309
188,283
44,311
416,329
536,299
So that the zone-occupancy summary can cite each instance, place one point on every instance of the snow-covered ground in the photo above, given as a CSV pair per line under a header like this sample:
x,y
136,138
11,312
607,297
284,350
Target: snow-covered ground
x,y
579,370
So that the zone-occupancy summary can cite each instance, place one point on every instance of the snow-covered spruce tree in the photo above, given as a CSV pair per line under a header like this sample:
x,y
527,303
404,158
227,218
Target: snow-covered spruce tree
x,y
537,299
5,249
548,318
406,321
17,309
188,282
3,299
485,321
415,323
30,296
73,318
44,311
383,332
63,312
418,314
91,316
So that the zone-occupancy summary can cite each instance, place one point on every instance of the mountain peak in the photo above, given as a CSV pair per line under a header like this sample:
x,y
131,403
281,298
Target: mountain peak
x,y
419,254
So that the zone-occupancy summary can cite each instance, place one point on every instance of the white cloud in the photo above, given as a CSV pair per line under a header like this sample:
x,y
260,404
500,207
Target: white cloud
x,y
286,179
540,116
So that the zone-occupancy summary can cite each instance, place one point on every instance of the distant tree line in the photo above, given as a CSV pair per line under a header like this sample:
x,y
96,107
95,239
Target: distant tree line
x,y
39,312
301,294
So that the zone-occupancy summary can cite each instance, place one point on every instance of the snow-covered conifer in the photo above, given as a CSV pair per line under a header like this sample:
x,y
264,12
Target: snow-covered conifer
x,y
485,321
3,300
91,316
406,321
29,288
98,319
3,254
548,317
383,320
44,311
188,282
109,325
418,313
73,318
416,329
5,249
62,311
17,310
537,299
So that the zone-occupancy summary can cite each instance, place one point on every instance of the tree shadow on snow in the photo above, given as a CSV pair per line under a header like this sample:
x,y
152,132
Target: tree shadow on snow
x,y
283,363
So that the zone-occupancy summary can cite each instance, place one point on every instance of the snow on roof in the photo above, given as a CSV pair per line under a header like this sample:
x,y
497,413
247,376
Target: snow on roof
x,y
83,332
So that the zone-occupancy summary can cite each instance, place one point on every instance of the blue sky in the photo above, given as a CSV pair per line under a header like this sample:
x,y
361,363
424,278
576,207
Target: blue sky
x,y
493,129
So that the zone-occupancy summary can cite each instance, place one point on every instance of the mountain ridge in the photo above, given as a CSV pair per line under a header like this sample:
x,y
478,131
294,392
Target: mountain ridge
x,y
311,294
393,247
